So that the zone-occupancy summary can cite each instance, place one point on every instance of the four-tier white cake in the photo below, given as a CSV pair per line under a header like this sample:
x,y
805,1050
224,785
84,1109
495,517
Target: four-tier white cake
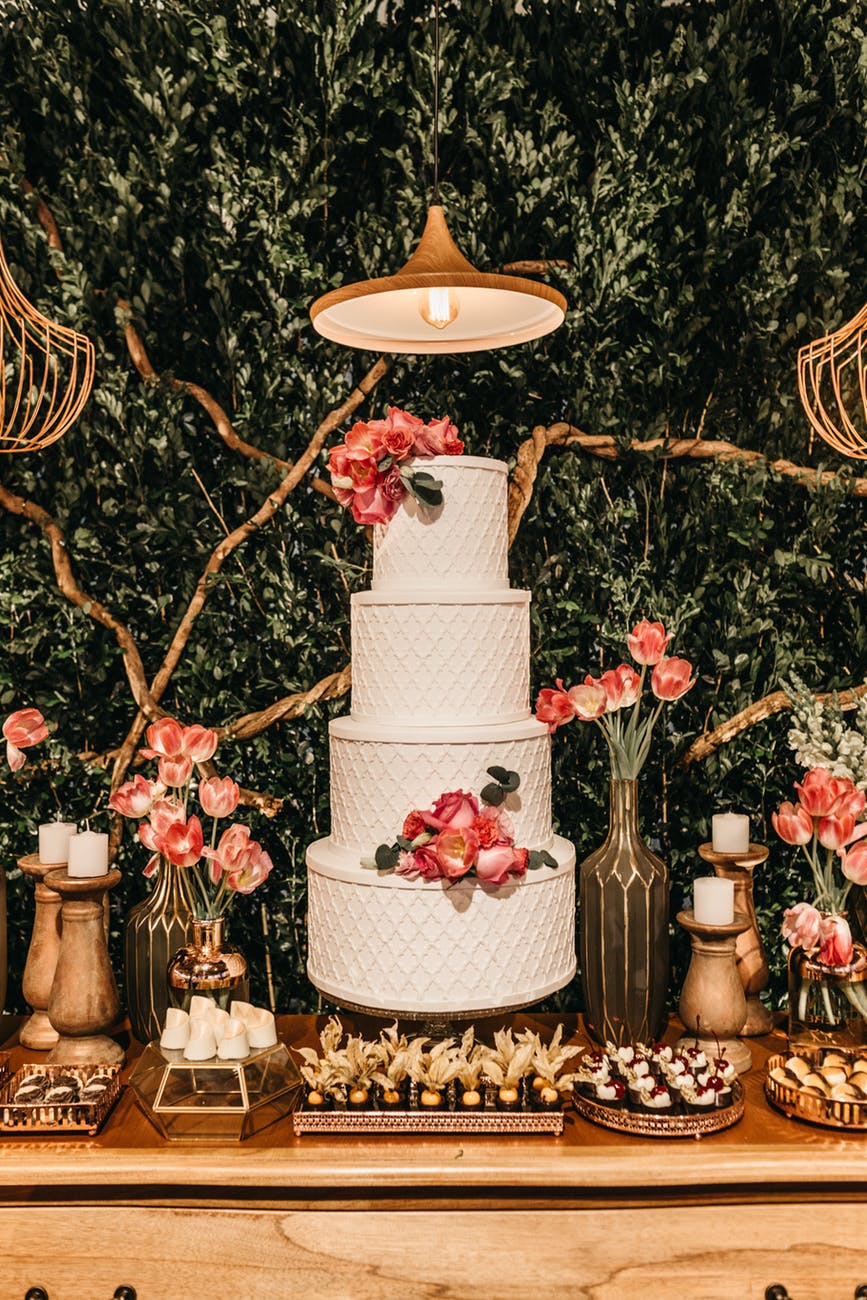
x,y
440,693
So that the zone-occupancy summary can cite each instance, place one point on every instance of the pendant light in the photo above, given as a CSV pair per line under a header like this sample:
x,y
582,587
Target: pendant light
x,y
46,372
438,301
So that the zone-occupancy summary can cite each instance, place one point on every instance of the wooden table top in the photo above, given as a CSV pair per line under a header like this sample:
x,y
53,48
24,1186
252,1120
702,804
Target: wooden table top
x,y
763,1151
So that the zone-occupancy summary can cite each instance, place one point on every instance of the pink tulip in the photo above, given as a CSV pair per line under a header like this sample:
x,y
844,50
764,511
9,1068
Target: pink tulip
x,y
671,678
182,843
630,684
553,707
164,813
793,824
242,861
853,862
824,795
836,947
219,797
255,869
175,771
495,864
588,701
23,728
453,811
136,797
647,642
802,926
165,738
457,849
200,743
835,832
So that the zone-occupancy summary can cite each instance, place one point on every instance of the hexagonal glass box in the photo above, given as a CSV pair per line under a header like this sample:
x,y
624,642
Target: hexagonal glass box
x,y
215,1101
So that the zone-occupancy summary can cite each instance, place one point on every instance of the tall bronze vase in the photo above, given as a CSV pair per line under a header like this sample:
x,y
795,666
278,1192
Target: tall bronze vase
x,y
624,930
155,929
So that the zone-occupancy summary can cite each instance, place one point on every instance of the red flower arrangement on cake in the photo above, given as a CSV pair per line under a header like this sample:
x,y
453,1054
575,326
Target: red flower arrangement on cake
x,y
461,835
370,472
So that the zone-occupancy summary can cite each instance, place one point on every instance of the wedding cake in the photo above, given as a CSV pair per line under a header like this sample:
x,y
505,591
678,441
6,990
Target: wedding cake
x,y
440,695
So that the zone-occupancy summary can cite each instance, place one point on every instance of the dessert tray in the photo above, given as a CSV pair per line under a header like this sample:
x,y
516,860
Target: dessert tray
x,y
641,1124
485,1119
58,1099
808,1086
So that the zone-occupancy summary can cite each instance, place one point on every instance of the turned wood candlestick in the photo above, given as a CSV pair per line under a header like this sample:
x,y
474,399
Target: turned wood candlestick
x,y
713,1006
38,1033
752,961
84,1002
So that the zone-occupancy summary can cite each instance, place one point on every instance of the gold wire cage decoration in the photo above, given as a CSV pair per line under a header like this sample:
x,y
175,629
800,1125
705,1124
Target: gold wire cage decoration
x,y
46,372
832,381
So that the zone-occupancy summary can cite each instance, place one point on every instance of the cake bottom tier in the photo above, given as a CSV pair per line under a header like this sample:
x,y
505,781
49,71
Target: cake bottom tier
x,y
425,948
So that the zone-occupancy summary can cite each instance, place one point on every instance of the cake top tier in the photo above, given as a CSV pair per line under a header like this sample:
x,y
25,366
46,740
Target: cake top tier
x,y
461,545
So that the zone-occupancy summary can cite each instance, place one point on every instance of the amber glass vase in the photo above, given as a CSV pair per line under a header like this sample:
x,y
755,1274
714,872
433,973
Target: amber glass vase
x,y
155,929
209,966
827,1004
623,925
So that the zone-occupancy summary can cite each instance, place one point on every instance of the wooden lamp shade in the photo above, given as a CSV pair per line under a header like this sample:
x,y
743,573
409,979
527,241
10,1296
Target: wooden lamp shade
x,y
488,311
50,370
832,381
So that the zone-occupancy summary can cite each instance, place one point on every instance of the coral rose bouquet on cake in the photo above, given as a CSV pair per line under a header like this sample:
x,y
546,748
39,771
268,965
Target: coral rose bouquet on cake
x,y
374,469
231,865
824,823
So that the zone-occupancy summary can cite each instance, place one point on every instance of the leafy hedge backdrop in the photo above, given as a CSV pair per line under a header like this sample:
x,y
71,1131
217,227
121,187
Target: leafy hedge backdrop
x,y
694,175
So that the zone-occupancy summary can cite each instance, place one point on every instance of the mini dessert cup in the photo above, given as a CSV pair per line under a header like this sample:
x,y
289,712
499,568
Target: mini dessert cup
x,y
430,1099
359,1098
469,1100
508,1098
659,1101
611,1093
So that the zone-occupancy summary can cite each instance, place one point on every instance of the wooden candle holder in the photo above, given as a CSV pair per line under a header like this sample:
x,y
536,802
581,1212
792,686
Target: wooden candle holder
x,y
752,961
37,1032
84,1001
712,1002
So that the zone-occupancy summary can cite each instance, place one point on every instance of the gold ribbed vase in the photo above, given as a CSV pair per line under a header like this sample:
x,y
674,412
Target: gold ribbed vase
x,y
623,926
155,929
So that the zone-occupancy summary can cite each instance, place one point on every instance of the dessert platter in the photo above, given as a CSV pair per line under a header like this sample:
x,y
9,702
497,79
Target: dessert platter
x,y
656,1091
41,1099
440,699
827,1087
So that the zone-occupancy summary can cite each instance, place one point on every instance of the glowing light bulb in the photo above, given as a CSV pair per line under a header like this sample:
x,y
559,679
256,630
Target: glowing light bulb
x,y
439,306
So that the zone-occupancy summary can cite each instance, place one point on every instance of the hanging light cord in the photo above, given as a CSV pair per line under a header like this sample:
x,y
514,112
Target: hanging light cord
x,y
435,196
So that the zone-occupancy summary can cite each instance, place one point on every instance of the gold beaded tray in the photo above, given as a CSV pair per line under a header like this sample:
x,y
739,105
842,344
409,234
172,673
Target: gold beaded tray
x,y
417,1121
823,1111
641,1124
25,1117
4,1067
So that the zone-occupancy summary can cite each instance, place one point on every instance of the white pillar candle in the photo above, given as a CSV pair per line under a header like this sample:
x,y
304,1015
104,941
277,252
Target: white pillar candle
x,y
713,900
234,1044
261,1028
88,854
176,1032
54,841
202,1044
731,833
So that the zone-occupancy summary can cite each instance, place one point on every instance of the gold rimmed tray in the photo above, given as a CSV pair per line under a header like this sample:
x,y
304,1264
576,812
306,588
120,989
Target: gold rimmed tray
x,y
414,1121
25,1117
641,1124
823,1111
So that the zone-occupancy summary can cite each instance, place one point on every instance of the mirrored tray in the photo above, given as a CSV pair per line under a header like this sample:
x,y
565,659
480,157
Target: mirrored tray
x,y
40,1117
824,1111
643,1124
419,1121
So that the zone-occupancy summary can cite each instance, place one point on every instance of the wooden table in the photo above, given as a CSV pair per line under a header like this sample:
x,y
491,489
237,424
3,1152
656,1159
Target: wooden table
x,y
593,1214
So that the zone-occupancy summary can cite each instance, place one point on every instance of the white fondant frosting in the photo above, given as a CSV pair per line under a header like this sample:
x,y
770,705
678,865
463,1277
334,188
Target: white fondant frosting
x,y
440,693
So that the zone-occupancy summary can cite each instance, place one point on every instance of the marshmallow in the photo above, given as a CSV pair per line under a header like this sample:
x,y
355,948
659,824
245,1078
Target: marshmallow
x,y
261,1028
234,1045
176,1033
202,1044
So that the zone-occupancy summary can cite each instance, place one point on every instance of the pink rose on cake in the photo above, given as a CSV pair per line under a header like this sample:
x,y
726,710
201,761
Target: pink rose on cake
x,y
453,810
373,470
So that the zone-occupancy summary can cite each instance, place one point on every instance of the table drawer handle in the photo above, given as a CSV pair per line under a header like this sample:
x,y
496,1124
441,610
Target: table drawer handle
x,y
861,1291
36,1293
124,1293
776,1291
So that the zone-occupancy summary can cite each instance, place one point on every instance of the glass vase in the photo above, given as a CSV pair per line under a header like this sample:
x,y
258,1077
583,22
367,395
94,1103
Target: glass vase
x,y
155,929
210,966
623,926
827,1004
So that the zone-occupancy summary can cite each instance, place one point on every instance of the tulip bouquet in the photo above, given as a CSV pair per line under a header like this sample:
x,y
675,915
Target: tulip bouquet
x,y
371,472
824,824
614,700
234,864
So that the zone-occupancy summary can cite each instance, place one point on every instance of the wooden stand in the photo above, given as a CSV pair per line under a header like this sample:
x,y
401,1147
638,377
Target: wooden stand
x,y
752,962
84,1002
38,1033
712,1003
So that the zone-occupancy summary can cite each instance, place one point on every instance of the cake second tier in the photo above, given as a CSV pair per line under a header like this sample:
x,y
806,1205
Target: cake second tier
x,y
441,661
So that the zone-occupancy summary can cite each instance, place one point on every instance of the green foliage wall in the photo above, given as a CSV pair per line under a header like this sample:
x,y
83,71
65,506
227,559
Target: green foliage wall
x,y
700,170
